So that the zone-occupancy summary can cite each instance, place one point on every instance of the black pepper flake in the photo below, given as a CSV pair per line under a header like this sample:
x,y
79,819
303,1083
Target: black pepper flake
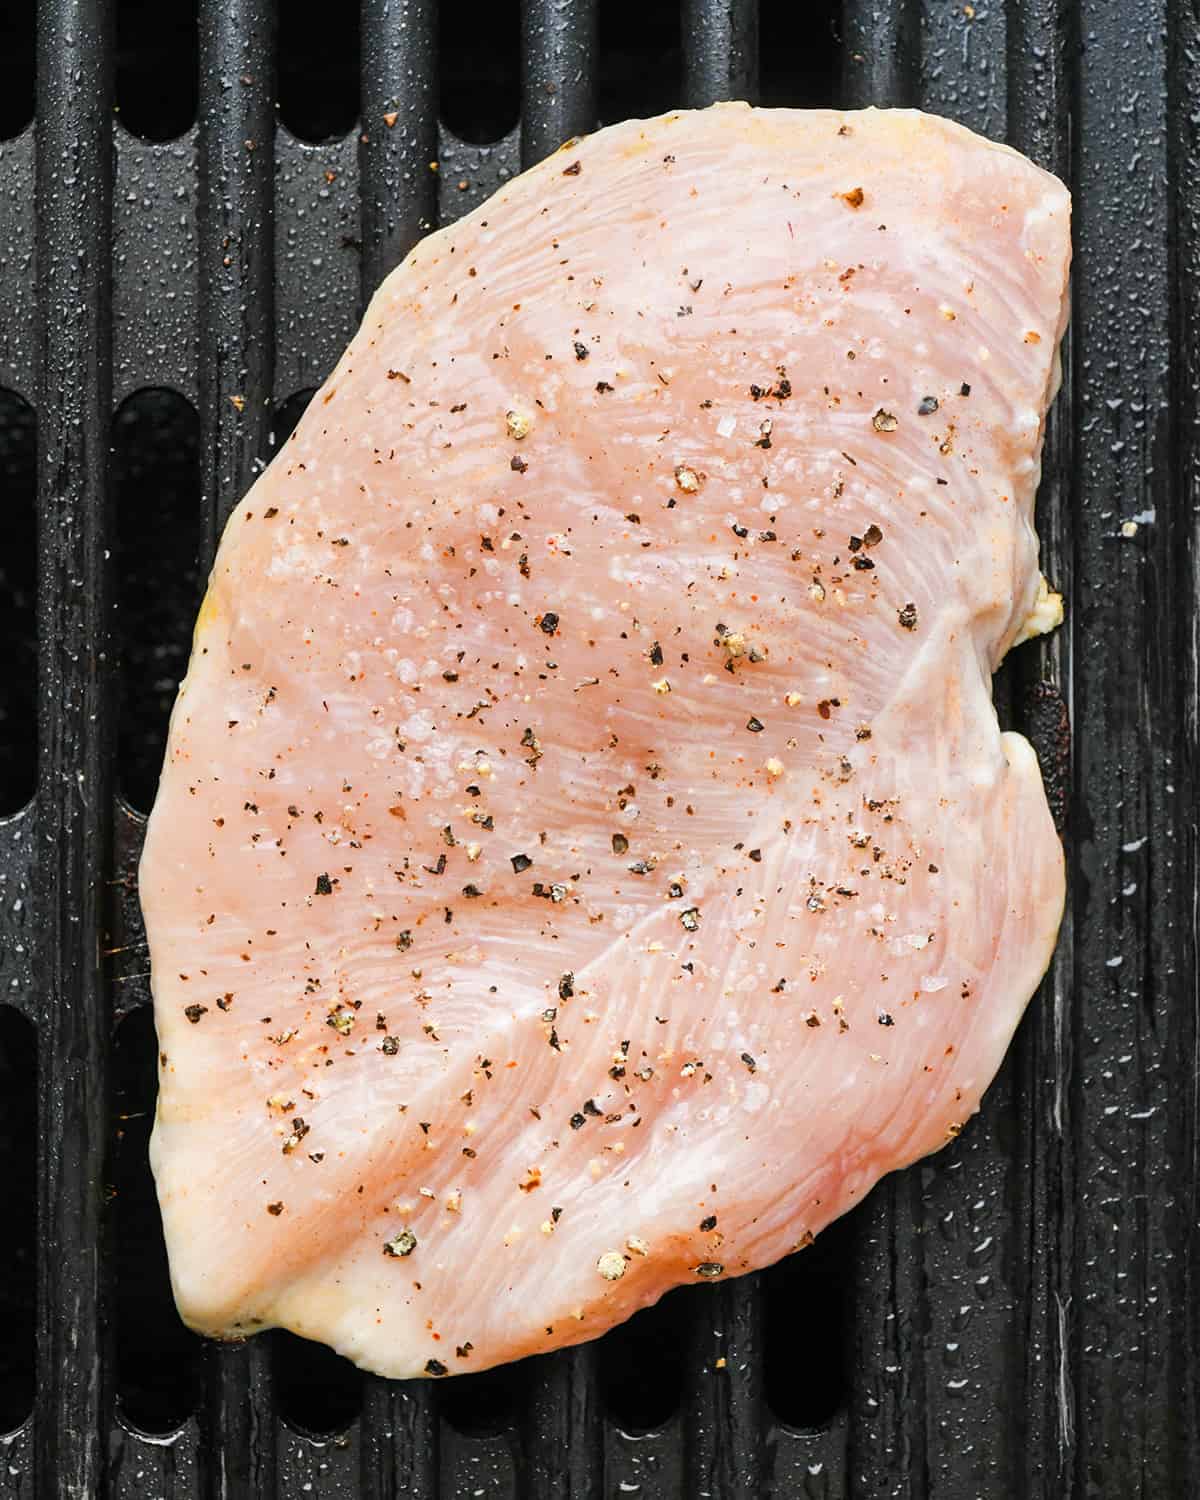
x,y
964,389
581,350
755,726
462,1350
755,855
572,171
603,387
324,886
389,1046
690,919
275,1209
710,1269
872,536
194,1012
750,1062
471,890
566,986
908,616
589,1108
577,1122
656,655
709,1223
885,421
740,531
884,1019
520,863
404,940
548,623
518,465
927,406
434,1367
620,844
863,564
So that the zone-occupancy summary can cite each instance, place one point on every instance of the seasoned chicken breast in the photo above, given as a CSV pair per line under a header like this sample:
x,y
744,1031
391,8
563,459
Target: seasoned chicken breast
x,y
587,858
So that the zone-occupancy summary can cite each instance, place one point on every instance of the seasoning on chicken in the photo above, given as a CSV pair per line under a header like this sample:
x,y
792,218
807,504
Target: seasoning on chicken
x,y
586,858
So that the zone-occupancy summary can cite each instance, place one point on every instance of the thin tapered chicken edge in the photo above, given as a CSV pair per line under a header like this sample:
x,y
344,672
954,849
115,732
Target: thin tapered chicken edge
x,y
1044,614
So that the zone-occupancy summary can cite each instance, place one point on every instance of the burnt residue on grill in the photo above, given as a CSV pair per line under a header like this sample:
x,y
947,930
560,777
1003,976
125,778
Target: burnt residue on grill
x,y
1016,1316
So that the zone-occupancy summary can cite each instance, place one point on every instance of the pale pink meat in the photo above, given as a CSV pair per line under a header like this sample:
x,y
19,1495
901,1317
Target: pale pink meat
x,y
586,857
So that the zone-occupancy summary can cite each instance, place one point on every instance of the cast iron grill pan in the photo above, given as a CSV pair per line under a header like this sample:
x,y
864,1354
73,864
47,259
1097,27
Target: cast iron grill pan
x,y
1016,1317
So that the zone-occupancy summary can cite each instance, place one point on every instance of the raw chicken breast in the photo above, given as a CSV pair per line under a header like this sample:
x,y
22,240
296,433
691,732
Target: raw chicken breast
x,y
586,857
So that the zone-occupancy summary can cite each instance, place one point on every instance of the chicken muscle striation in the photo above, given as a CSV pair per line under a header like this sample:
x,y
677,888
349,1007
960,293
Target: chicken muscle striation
x,y
587,858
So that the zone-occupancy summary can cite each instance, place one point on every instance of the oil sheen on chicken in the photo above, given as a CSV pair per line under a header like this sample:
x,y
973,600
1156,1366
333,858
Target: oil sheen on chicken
x,y
586,857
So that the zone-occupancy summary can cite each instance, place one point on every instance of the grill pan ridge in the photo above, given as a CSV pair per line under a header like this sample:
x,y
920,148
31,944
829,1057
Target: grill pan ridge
x,y
1018,1316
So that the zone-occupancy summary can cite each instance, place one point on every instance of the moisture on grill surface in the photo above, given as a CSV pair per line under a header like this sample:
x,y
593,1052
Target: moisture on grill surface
x,y
1014,1317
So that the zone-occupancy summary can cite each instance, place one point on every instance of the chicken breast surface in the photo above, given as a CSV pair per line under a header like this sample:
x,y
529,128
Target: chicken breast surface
x,y
587,858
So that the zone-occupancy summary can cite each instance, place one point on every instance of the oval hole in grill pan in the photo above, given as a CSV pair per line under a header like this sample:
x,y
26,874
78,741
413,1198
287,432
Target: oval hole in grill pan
x,y
479,65
318,69
640,1365
799,47
157,1357
18,1168
156,481
157,61
17,69
808,1315
18,590
484,1404
318,1391
641,65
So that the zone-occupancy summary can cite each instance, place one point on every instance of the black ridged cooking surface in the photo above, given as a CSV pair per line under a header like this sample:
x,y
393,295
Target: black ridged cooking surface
x,y
1016,1317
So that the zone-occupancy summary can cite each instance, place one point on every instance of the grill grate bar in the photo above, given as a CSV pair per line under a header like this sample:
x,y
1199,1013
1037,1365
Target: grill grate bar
x,y
720,51
399,1440
564,1432
880,58
236,347
723,1403
1038,89
235,350
558,74
74,796
562,1436
399,187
